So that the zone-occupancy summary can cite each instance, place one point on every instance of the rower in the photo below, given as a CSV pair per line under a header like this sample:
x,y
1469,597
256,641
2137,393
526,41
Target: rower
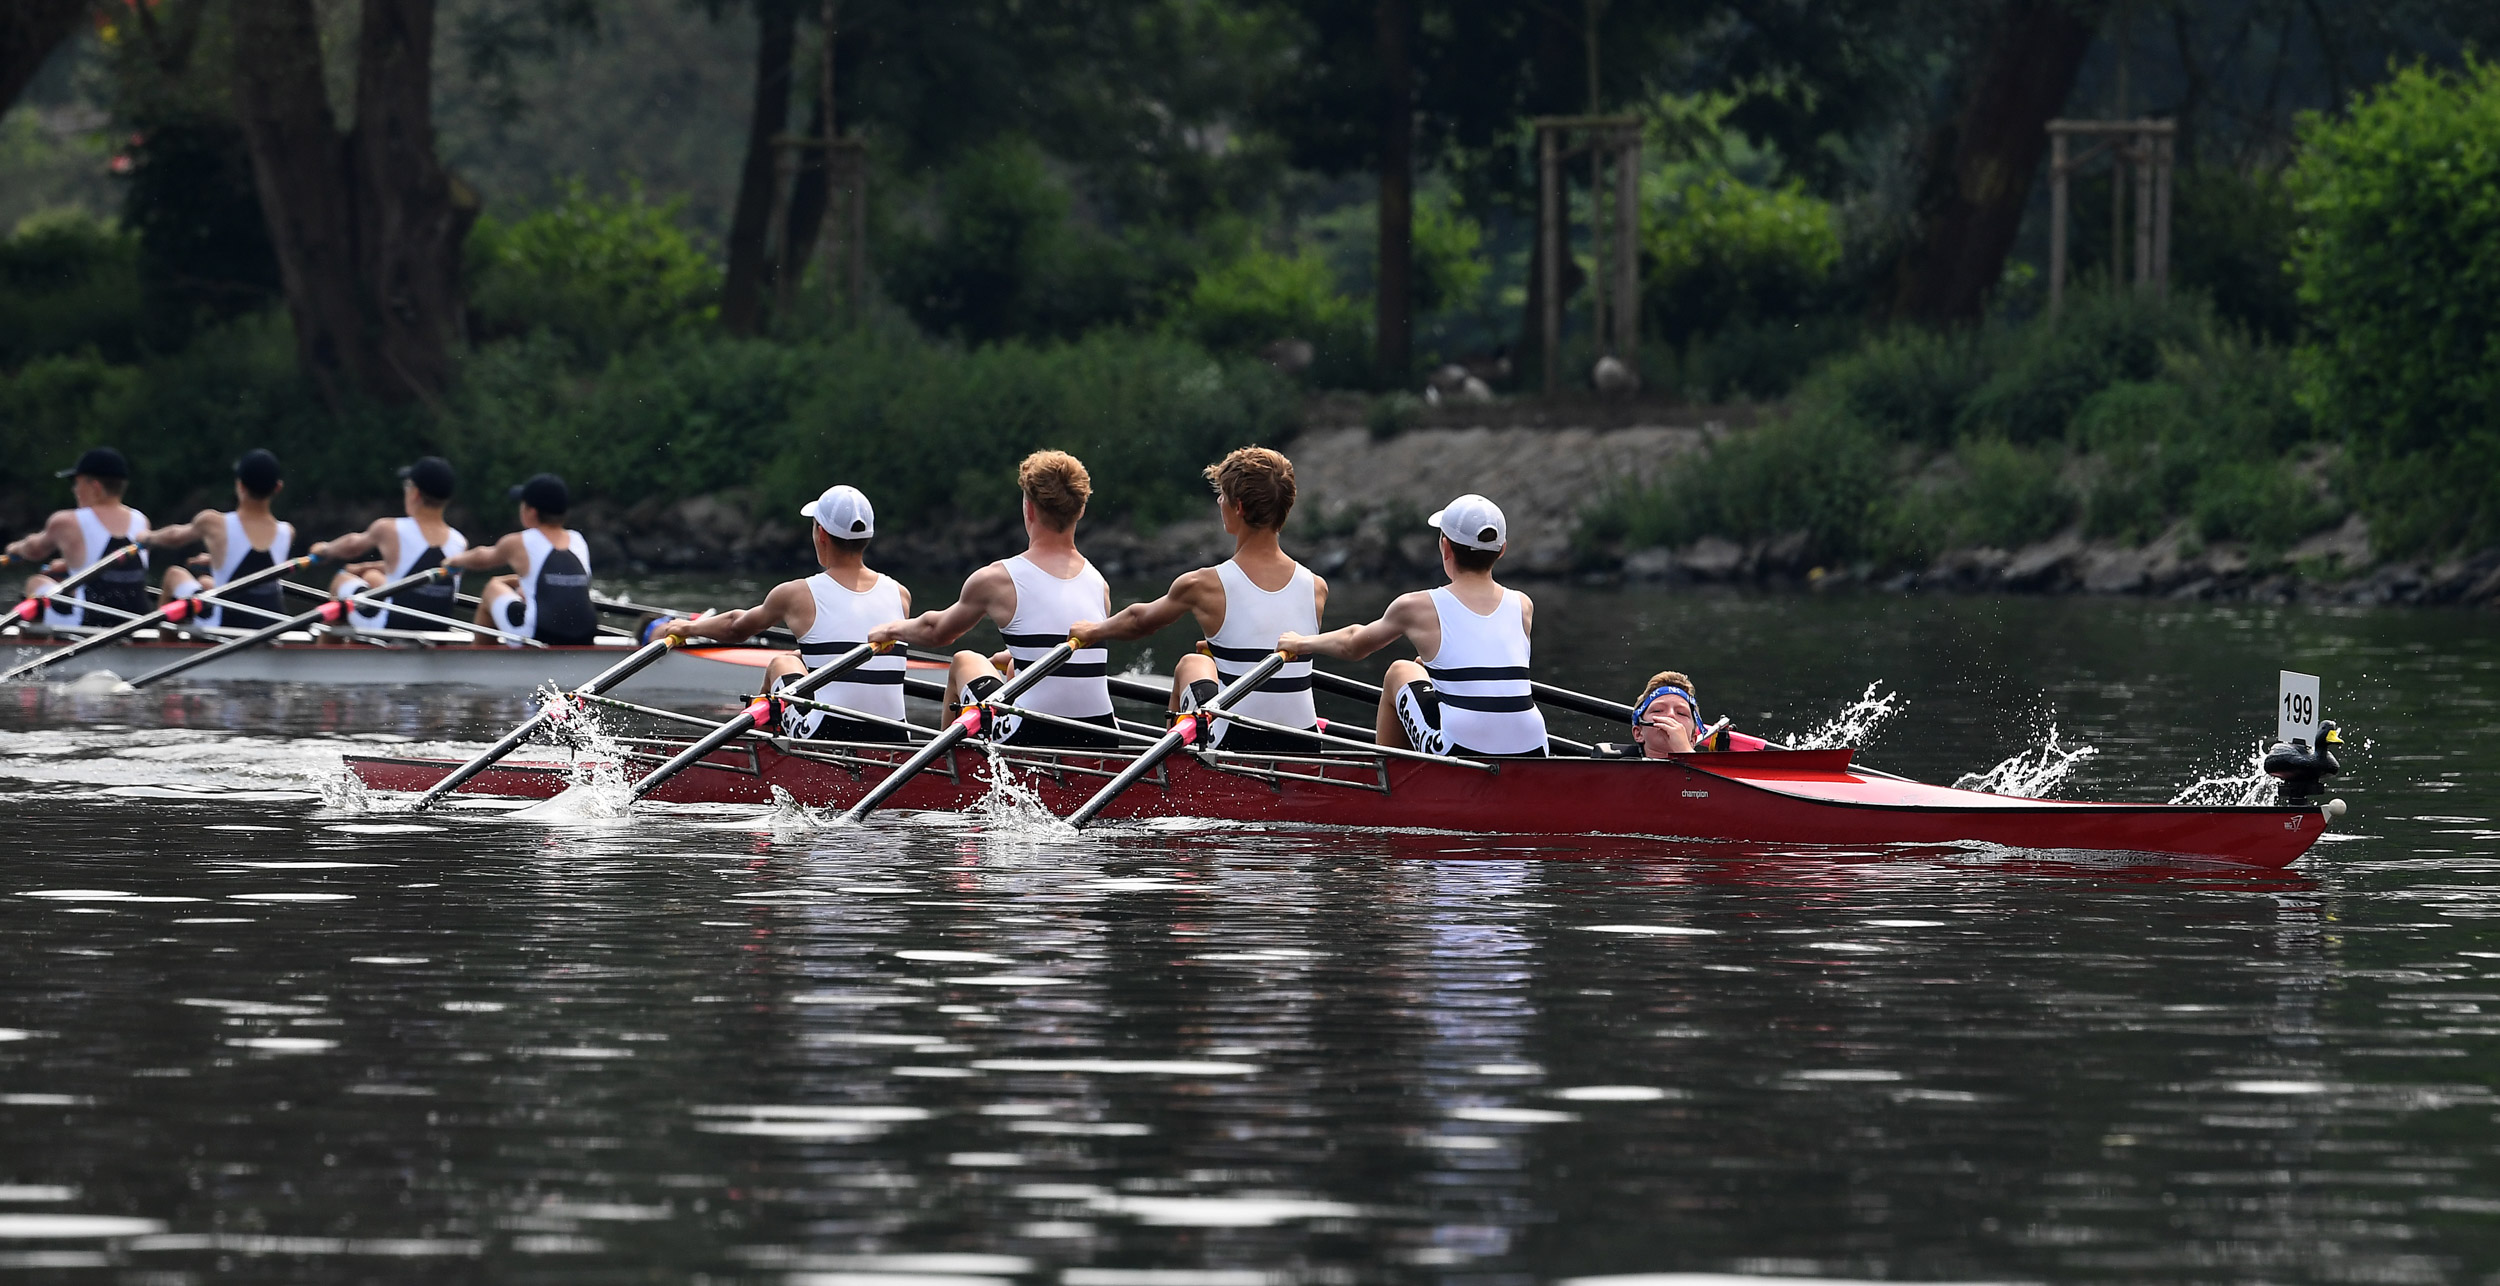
x,y
246,539
1467,692
83,536
1243,605
1036,598
400,548
831,612
548,596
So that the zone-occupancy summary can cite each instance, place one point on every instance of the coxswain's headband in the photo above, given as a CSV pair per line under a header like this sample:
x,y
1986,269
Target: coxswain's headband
x,y
1641,715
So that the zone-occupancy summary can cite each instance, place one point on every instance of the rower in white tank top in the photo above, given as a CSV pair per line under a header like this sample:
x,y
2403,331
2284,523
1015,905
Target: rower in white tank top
x,y
1254,619
1480,672
554,605
440,597
1046,608
243,560
843,618
124,587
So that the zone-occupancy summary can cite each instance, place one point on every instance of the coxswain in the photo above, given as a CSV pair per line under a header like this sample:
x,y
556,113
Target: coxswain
x,y
1243,605
1666,721
1467,692
547,597
1036,598
399,548
81,537
247,539
831,613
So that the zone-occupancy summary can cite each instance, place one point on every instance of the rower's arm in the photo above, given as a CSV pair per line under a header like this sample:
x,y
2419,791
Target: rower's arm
x,y
1137,620
485,558
183,533
51,541
353,545
1354,642
985,593
739,626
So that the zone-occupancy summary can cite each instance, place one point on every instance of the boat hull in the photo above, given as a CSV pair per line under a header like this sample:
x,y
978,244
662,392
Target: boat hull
x,y
303,658
1793,799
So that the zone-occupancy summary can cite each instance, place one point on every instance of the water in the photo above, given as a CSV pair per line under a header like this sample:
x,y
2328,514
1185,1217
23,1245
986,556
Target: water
x,y
251,1030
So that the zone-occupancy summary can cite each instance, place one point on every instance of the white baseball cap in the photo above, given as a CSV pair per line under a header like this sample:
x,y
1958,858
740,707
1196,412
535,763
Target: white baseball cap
x,y
1473,521
843,512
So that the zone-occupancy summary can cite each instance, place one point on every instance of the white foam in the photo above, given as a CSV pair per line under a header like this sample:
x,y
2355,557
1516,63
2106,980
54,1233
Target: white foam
x,y
66,1227
1651,930
33,1193
292,897
1616,1094
1244,1211
954,957
1117,1066
1513,1115
283,1044
1010,980
2031,773
1855,725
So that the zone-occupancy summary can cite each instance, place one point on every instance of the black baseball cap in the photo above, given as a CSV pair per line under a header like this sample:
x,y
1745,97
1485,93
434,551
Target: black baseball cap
x,y
431,475
97,462
545,493
257,470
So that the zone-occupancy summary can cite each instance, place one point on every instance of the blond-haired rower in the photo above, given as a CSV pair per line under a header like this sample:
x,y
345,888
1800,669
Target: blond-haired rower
x,y
1244,605
1036,598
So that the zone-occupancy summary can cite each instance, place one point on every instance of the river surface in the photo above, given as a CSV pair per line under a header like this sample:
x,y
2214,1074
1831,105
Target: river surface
x,y
253,1029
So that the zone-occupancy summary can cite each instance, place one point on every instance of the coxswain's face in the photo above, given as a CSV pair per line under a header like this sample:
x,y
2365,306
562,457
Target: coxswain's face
x,y
1668,727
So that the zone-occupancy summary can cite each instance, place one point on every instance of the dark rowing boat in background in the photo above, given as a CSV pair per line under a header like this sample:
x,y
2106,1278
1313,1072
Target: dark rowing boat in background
x,y
1811,798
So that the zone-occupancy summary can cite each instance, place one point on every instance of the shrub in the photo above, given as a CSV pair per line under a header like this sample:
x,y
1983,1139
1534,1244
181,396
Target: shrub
x,y
1262,296
1907,386
69,282
2233,244
599,274
1821,474
2047,372
1718,250
1446,255
2398,260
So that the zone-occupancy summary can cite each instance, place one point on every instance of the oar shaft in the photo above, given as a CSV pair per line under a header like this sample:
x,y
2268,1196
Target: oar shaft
x,y
1181,733
444,621
624,669
956,731
128,628
749,719
268,632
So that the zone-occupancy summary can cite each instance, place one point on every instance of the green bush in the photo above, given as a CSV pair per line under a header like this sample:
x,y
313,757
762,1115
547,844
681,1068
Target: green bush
x,y
69,282
2233,244
1262,296
1717,250
2046,372
1907,386
2398,260
1818,473
599,274
1446,256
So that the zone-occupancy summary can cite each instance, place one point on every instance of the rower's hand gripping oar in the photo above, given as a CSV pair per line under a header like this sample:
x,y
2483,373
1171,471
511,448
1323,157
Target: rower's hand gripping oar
x,y
465,627
330,610
27,609
137,623
1181,734
753,717
632,664
962,727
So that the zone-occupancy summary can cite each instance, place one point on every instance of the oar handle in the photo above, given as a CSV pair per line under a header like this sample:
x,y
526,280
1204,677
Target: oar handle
x,y
753,717
329,610
606,679
1183,732
956,731
130,627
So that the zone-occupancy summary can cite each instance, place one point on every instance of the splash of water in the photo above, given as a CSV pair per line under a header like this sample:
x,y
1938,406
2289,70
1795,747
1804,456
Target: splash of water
x,y
596,786
2235,786
1011,810
1856,724
345,792
2032,773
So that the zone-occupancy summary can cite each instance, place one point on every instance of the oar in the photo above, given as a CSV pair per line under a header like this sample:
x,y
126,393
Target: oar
x,y
627,607
27,609
958,730
472,600
328,611
615,674
471,627
751,718
1356,688
136,624
1182,732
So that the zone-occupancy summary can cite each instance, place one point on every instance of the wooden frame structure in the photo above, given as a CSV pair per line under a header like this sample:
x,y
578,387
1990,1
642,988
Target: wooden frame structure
x,y
2146,147
846,199
1603,138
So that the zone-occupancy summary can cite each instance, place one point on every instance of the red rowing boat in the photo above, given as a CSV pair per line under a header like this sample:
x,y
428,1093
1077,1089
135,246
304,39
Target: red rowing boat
x,y
1800,798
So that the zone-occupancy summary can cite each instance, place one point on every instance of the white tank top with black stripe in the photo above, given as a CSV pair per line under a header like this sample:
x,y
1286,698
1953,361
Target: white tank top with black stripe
x,y
1046,608
843,618
243,560
124,586
1481,672
1253,620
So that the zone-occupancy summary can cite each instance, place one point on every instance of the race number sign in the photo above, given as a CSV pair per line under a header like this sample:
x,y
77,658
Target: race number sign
x,y
2296,708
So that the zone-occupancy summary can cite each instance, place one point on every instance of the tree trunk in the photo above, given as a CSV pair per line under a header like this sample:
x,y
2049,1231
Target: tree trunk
x,y
808,196
1395,321
750,223
303,172
29,31
1981,166
411,216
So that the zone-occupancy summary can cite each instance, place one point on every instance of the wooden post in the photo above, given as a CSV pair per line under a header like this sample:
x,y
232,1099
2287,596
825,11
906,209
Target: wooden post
x,y
2165,150
1628,245
1550,242
2142,155
2118,216
2058,174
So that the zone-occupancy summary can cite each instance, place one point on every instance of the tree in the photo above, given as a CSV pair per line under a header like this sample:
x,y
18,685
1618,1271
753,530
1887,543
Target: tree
x,y
1981,165
366,223
29,31
742,295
